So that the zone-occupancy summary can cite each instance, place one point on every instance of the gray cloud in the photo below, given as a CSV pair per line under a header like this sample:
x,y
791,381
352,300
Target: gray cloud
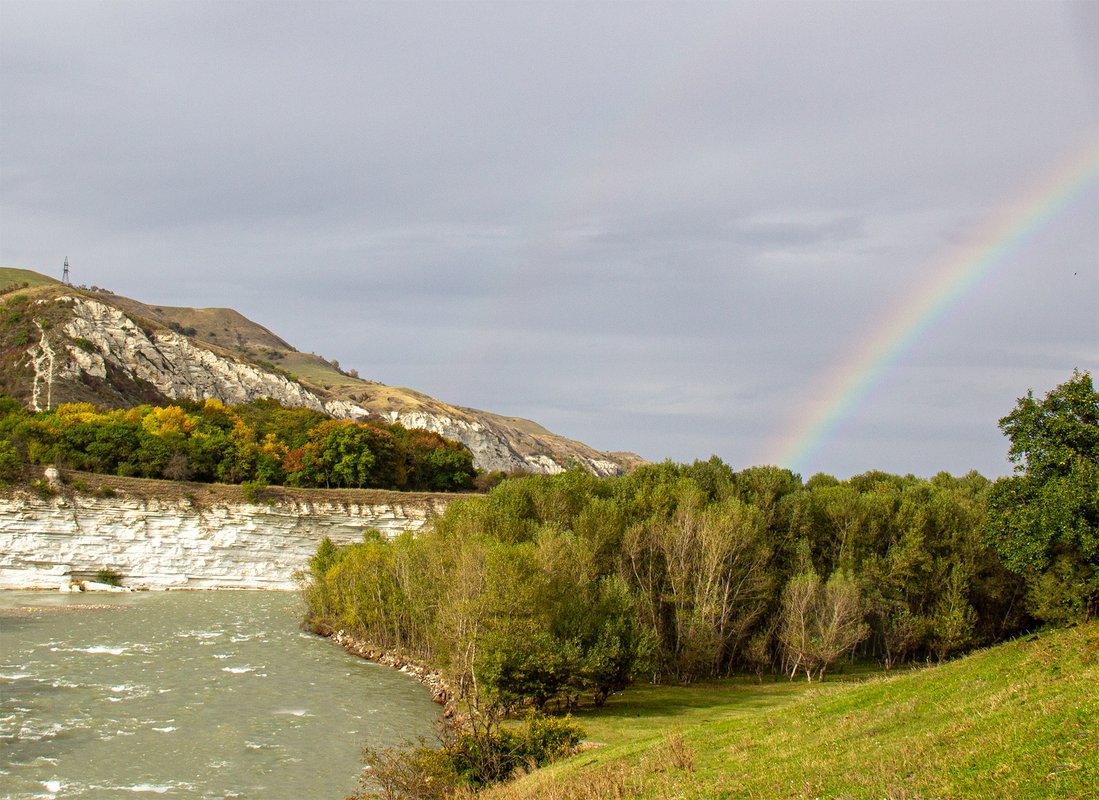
x,y
652,226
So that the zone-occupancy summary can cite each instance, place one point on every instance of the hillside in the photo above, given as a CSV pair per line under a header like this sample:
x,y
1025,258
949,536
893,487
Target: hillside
x,y
61,344
1018,720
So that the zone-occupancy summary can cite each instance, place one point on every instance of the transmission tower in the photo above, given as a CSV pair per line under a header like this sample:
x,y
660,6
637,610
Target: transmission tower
x,y
65,274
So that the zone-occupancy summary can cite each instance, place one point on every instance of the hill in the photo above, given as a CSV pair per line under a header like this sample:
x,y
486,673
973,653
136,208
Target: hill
x,y
1019,720
60,344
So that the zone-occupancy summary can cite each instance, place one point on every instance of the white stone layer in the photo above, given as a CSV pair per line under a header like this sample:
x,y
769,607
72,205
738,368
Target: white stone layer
x,y
158,544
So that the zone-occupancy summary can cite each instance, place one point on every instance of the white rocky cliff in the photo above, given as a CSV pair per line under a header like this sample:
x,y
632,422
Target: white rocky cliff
x,y
170,362
180,543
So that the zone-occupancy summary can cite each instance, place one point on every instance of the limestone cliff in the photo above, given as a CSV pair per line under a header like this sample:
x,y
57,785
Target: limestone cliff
x,y
71,345
174,538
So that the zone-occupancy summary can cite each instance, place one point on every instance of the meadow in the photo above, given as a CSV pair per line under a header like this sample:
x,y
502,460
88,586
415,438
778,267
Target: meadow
x,y
1018,720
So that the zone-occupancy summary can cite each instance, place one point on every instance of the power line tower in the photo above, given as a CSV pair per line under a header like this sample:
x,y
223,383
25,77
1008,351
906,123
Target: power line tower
x,y
65,274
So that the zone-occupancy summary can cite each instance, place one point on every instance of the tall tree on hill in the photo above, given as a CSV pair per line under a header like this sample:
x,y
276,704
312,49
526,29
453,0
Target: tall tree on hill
x,y
1044,521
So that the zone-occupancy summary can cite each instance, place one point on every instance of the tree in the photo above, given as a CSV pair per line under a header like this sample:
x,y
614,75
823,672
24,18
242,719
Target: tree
x,y
1044,521
820,621
11,465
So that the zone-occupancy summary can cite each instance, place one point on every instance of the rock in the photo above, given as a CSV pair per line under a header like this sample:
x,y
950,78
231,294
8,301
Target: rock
x,y
432,679
94,586
53,478
164,543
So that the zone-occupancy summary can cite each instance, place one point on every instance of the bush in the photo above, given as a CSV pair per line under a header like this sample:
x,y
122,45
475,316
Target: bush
x,y
108,576
254,492
11,464
471,756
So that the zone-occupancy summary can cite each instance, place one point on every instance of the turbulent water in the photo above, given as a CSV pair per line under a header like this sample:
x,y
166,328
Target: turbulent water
x,y
187,695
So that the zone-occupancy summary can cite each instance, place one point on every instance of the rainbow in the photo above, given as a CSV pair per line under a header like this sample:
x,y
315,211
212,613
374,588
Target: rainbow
x,y
842,391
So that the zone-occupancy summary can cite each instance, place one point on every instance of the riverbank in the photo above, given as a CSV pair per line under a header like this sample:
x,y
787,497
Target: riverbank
x,y
431,678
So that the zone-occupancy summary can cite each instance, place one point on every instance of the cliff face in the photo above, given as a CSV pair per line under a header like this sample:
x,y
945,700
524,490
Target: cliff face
x,y
102,340
164,543
99,348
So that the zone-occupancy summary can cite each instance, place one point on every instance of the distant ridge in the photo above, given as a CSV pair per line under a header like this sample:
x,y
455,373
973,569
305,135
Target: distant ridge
x,y
61,343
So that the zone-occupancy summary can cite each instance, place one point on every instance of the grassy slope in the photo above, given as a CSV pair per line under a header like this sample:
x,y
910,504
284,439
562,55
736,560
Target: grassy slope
x,y
1020,720
13,275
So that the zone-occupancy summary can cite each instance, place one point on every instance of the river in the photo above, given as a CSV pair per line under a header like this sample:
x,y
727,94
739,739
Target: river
x,y
187,695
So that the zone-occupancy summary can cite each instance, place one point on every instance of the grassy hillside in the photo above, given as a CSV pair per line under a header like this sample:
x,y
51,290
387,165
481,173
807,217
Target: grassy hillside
x,y
1020,720
10,277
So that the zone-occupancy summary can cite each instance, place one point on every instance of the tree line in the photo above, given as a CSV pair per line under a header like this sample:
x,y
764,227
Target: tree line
x,y
553,586
260,442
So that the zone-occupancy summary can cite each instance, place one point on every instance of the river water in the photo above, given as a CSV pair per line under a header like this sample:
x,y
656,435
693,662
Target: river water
x,y
187,695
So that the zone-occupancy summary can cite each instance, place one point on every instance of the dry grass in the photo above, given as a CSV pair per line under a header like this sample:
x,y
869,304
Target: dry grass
x,y
204,495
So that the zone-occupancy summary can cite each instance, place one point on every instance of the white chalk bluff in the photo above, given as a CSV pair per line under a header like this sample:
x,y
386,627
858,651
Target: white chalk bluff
x,y
158,543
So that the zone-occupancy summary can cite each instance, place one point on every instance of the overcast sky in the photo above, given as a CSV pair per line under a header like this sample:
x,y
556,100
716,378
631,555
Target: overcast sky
x,y
674,228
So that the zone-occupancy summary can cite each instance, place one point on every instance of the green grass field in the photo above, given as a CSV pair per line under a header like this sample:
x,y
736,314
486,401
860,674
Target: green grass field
x,y
13,276
1017,721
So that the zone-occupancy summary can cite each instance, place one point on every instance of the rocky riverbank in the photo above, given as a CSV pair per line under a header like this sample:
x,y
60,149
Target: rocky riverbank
x,y
431,678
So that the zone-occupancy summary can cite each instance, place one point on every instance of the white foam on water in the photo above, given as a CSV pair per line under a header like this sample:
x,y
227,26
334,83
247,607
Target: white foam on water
x,y
167,729
294,712
238,670
97,649
17,676
201,634
28,732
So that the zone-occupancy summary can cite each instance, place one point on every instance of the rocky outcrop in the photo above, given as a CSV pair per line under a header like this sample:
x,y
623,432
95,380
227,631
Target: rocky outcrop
x,y
497,448
177,368
164,543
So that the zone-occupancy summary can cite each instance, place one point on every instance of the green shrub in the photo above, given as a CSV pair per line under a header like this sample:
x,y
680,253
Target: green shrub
x,y
470,757
108,576
254,492
11,464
